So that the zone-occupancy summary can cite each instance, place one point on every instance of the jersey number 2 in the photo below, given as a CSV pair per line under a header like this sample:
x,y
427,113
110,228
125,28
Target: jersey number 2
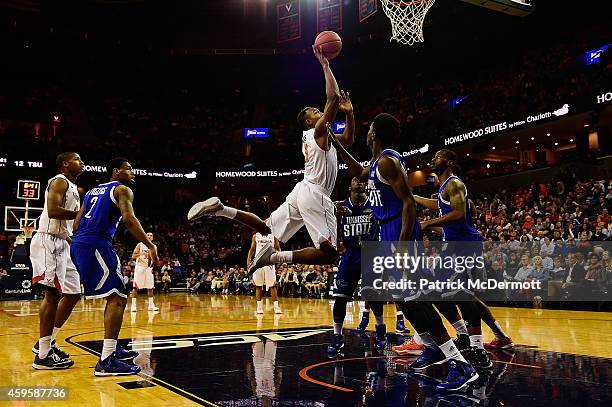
x,y
93,204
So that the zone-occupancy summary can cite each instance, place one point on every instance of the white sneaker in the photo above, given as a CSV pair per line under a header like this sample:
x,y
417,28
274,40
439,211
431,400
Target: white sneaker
x,y
262,259
277,310
260,311
133,309
152,308
207,207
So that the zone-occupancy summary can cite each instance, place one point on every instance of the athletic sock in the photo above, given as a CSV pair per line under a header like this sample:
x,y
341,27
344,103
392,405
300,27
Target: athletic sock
x,y
498,331
260,304
282,257
108,347
55,332
379,320
460,327
337,328
476,340
451,352
227,211
276,305
151,304
133,302
44,345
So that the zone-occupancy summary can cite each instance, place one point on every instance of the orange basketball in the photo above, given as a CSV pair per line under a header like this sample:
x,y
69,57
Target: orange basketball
x,y
330,43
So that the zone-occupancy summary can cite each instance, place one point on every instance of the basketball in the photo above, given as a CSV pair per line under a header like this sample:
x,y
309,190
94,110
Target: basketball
x,y
330,43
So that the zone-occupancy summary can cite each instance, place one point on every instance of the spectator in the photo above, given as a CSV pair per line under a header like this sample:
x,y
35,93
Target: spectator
x,y
525,271
166,281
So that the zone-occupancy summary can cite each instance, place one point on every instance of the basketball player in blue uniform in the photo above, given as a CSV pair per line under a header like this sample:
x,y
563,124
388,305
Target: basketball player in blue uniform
x,y
394,209
355,225
92,252
457,224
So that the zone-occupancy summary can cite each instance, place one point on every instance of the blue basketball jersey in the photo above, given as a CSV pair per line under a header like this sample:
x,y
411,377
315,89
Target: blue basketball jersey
x,y
357,226
387,207
100,216
381,198
462,230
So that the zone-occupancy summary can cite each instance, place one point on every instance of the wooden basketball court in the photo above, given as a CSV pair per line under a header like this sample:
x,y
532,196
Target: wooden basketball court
x,y
213,350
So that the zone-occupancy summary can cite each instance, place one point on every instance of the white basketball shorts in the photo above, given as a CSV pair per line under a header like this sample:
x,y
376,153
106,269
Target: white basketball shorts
x,y
52,265
143,277
307,205
265,276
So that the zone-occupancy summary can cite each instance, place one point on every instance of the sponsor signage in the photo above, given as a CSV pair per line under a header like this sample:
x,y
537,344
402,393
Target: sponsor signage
x,y
507,125
259,132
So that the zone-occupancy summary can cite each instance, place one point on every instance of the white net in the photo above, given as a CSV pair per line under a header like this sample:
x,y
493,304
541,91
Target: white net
x,y
406,19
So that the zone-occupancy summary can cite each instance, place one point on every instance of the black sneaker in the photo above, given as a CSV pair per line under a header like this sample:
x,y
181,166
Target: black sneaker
x,y
51,362
479,358
462,342
58,351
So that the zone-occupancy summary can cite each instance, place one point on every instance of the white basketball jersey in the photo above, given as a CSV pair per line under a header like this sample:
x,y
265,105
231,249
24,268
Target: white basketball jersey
x,y
143,256
262,240
321,167
71,202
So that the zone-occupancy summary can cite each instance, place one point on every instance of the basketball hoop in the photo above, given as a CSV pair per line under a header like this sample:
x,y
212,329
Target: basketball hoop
x,y
27,231
407,19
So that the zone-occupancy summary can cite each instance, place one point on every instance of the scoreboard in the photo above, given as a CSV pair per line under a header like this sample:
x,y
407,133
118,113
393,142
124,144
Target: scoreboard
x,y
29,190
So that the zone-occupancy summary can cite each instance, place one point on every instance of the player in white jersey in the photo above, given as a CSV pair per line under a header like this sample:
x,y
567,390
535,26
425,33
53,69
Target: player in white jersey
x,y
265,275
52,267
143,274
309,204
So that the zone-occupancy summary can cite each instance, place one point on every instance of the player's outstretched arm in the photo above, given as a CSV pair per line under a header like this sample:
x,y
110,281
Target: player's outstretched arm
x,y
391,170
332,102
354,167
251,250
124,197
428,203
55,197
456,193
346,106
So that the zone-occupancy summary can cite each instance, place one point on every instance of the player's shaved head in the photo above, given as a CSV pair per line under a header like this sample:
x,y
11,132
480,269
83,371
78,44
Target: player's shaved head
x,y
63,158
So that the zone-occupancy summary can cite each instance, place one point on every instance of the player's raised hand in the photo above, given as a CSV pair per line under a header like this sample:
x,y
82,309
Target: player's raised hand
x,y
342,210
319,55
152,255
345,106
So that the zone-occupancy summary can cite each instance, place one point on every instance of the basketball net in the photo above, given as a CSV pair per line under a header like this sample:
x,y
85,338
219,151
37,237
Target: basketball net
x,y
407,19
27,231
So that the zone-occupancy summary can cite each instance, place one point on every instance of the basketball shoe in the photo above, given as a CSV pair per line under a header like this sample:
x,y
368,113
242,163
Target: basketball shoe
x,y
505,343
381,337
112,366
51,362
459,375
203,208
54,347
409,348
335,349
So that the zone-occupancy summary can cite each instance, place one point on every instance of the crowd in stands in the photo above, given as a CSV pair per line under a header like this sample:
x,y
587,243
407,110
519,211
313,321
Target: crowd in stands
x,y
558,233
187,124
